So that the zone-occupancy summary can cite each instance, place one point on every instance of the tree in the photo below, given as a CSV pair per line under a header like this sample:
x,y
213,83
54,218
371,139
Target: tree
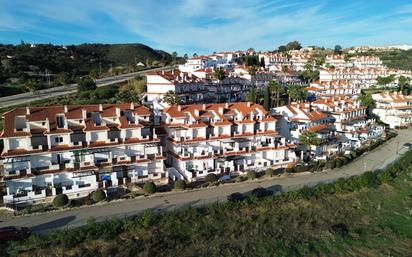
x,y
195,55
170,98
338,49
270,172
384,81
296,93
309,138
285,68
367,100
174,56
282,48
211,177
60,200
98,195
86,83
252,71
149,188
220,75
180,184
262,62
252,95
294,45
266,99
31,85
404,86
185,56
62,78
276,89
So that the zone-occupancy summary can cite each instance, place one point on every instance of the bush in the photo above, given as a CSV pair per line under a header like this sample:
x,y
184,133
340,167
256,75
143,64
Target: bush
x,y
60,200
180,184
149,188
211,178
98,195
299,169
86,83
331,164
270,172
339,163
251,175
288,170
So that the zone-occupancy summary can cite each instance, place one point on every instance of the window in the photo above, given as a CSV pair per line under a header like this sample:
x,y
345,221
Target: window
x,y
60,121
43,123
58,139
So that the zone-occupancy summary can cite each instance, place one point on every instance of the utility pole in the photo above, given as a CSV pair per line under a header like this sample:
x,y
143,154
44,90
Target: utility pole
x,y
48,80
100,69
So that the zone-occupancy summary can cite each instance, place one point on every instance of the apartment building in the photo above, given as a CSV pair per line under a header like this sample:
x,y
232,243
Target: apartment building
x,y
394,109
76,149
272,59
222,139
337,61
218,60
332,89
350,120
294,119
299,60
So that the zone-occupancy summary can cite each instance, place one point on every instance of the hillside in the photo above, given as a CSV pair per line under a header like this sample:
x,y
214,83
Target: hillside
x,y
368,215
398,59
22,63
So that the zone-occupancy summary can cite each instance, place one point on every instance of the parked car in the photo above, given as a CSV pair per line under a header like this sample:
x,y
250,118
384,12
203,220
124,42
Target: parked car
x,y
235,197
13,233
261,192
407,145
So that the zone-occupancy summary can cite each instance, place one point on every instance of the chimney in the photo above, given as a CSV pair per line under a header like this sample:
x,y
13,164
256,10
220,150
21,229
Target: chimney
x,y
179,108
100,107
118,111
132,106
221,110
65,109
197,112
226,105
248,104
204,107
27,110
163,72
84,113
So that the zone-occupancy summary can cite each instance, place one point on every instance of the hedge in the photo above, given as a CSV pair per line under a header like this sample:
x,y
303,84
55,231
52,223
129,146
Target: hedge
x,y
149,188
180,184
211,177
60,200
98,195
251,175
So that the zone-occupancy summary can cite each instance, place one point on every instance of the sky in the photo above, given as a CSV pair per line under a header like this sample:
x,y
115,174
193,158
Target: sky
x,y
204,26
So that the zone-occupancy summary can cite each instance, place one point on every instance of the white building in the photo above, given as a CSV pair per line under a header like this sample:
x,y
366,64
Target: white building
x,y
222,138
394,109
76,149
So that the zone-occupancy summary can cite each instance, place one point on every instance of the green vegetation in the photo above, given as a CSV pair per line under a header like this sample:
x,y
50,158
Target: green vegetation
x,y
60,200
367,215
211,177
98,195
251,175
59,65
171,98
180,184
398,59
149,188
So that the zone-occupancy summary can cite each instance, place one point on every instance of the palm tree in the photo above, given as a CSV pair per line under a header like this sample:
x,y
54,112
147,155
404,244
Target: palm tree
x,y
170,98
309,138
296,93
220,75
276,90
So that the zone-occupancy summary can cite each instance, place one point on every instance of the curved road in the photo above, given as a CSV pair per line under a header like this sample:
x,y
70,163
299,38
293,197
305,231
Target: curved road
x,y
13,100
376,159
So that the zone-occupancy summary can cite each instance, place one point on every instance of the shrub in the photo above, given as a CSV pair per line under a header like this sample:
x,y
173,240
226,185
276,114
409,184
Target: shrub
x,y
339,163
251,175
270,172
98,195
180,184
149,188
86,83
60,200
354,154
211,178
331,164
298,169
288,170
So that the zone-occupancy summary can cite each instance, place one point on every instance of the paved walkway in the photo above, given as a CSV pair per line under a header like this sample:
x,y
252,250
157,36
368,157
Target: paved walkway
x,y
377,159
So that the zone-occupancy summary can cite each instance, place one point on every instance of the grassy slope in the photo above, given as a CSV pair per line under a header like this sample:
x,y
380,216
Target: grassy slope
x,y
378,222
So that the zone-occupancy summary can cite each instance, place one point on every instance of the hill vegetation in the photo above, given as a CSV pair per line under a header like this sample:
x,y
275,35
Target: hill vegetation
x,y
367,215
398,59
26,68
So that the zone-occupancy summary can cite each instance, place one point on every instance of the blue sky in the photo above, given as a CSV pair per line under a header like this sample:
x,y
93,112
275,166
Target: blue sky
x,y
203,26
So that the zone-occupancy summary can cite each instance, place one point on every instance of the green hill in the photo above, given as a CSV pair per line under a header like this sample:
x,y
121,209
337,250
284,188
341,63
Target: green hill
x,y
65,64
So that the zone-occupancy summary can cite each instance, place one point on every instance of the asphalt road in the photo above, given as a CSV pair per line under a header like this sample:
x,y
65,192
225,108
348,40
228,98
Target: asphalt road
x,y
376,159
13,100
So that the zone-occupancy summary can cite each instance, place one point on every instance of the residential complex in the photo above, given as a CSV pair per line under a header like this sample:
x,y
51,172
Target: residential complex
x,y
394,109
77,149
223,138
